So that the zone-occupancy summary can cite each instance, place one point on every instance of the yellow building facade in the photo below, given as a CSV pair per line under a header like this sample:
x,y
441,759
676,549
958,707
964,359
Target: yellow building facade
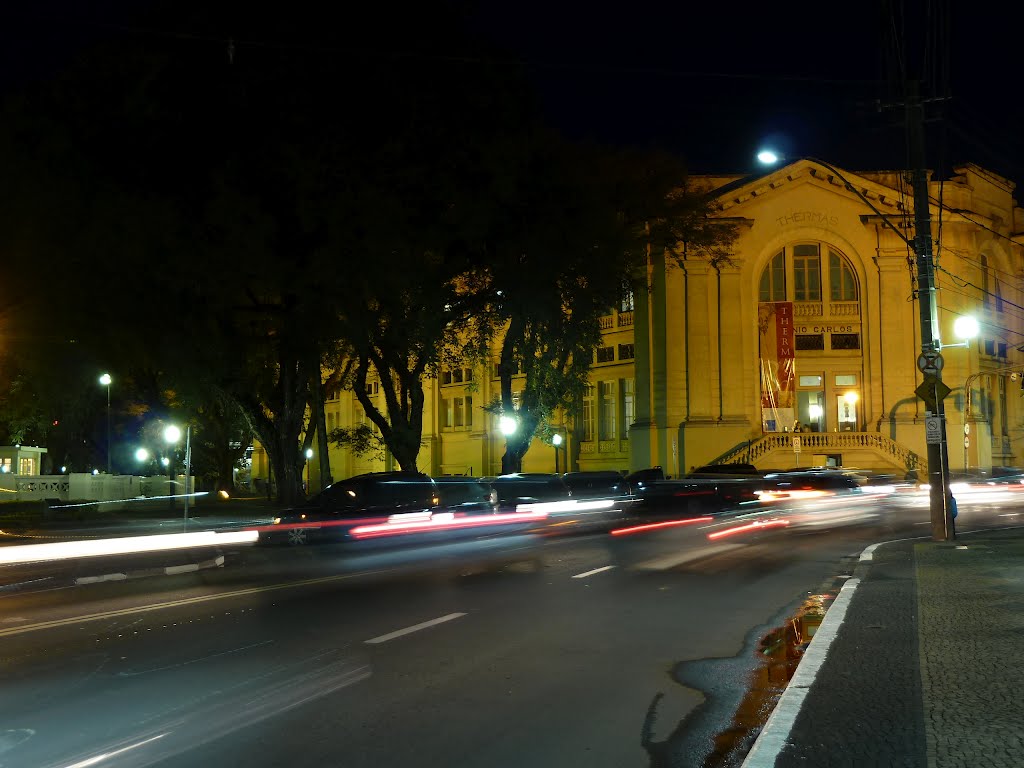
x,y
678,382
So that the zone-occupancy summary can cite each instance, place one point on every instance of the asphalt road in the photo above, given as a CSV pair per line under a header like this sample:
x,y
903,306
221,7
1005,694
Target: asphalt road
x,y
526,652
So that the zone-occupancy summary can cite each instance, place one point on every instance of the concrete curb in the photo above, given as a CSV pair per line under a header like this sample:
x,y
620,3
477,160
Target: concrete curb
x,y
142,573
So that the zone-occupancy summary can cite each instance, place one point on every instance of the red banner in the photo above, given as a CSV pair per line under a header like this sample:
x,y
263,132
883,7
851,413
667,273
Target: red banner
x,y
778,365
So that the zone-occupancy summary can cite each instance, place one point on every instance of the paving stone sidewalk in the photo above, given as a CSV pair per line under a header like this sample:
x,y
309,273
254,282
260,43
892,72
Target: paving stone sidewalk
x,y
927,668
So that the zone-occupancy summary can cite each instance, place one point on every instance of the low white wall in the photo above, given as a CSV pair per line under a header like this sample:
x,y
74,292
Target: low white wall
x,y
79,487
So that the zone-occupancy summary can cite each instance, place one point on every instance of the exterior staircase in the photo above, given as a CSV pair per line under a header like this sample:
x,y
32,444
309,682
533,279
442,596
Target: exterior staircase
x,y
864,450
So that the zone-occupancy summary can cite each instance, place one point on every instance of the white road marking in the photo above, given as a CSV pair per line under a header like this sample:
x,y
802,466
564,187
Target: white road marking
x,y
591,573
414,628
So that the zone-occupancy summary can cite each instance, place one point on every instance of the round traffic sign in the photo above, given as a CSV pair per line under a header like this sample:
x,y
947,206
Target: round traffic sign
x,y
930,361
967,429
967,442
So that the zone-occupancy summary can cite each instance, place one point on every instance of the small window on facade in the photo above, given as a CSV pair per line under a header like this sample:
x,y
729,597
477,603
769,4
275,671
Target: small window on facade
x,y
990,347
468,374
773,279
469,411
984,281
457,376
588,414
806,273
446,376
447,417
626,352
607,428
628,406
846,380
845,341
810,381
458,411
810,341
606,354
1001,348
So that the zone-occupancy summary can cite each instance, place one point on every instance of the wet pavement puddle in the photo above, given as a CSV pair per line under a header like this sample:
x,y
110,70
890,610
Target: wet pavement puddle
x,y
777,657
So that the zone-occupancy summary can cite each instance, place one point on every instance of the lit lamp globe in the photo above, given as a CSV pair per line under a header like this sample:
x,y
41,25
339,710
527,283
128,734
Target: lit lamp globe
x,y
767,157
556,439
309,453
507,425
851,397
141,455
966,327
172,434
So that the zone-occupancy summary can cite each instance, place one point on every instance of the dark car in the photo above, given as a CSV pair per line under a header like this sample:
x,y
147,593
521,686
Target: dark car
x,y
361,500
596,485
717,470
816,480
466,495
528,488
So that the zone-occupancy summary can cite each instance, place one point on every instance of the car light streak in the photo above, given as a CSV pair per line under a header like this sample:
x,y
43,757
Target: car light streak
x,y
573,505
133,498
443,524
656,526
107,755
64,550
756,525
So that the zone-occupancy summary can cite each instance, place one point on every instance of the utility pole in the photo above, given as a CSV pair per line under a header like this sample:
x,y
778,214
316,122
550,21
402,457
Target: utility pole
x,y
932,390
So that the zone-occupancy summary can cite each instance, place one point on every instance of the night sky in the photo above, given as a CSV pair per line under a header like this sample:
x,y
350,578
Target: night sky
x,y
711,83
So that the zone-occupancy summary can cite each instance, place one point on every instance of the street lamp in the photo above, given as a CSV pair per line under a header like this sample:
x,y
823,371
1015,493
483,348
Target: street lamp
x,y
965,327
172,435
309,455
556,440
105,380
507,425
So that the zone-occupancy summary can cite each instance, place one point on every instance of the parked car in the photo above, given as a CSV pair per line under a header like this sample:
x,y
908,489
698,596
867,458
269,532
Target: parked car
x,y
466,495
359,500
596,485
528,488
816,480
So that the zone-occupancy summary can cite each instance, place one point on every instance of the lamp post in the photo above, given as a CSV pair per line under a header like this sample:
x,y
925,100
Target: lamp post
x,y
507,425
172,435
556,440
105,380
309,455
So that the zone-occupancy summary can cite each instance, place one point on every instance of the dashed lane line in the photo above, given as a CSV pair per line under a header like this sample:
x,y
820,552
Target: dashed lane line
x,y
414,628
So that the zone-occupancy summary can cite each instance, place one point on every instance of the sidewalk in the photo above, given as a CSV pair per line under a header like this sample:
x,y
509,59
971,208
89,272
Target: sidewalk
x,y
918,663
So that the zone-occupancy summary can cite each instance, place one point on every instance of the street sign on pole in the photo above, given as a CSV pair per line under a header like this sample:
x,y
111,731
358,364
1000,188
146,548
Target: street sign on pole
x,y
930,389
933,430
796,444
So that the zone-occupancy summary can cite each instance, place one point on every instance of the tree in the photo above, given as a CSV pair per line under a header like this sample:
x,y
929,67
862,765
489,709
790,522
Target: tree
x,y
576,234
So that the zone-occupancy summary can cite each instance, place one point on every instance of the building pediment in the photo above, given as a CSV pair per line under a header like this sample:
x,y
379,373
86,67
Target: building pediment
x,y
739,197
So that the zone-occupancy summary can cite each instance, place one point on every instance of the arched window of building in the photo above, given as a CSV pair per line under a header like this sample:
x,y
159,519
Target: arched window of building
x,y
842,278
773,279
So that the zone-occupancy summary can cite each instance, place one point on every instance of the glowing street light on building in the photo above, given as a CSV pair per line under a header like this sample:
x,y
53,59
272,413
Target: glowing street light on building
x,y
507,425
